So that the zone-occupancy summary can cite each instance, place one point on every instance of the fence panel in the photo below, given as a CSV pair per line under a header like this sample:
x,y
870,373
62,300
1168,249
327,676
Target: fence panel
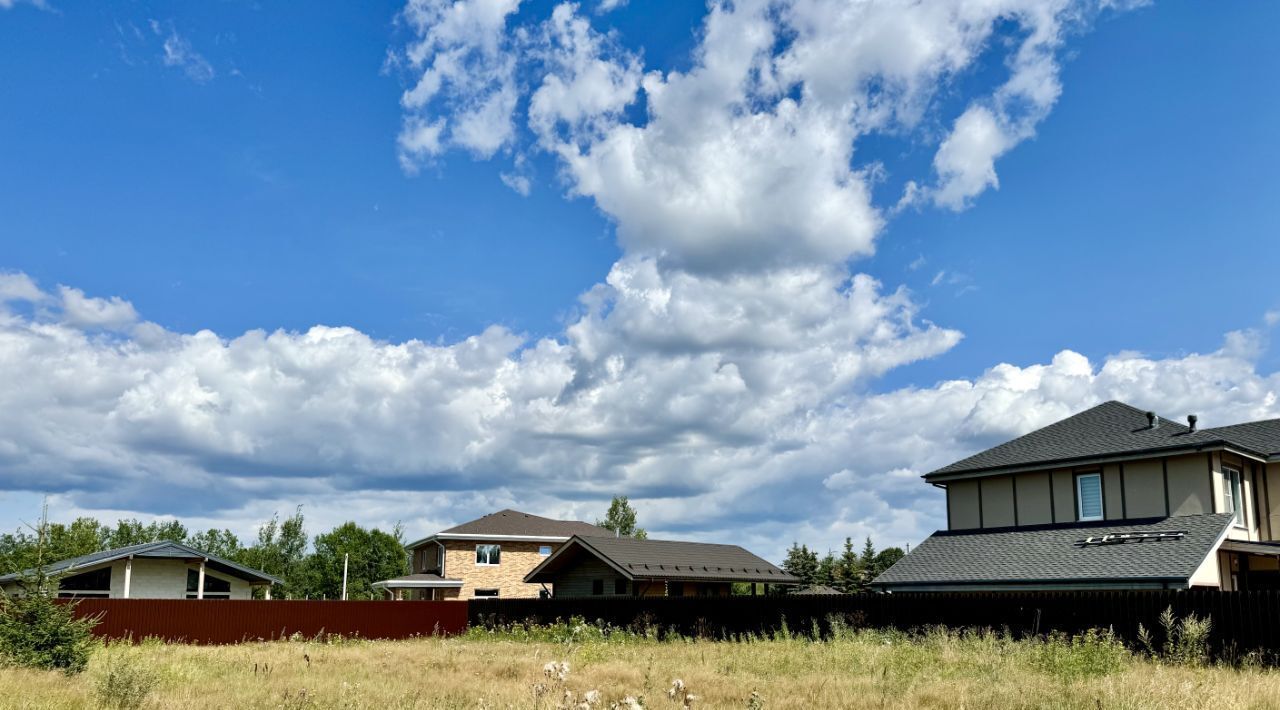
x,y
227,621
1242,621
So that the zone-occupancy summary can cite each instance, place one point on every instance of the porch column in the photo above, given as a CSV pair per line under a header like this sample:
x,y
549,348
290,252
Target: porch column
x,y
128,575
200,582
266,594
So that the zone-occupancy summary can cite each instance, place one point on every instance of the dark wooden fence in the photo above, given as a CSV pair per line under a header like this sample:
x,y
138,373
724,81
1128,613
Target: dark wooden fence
x,y
225,621
1242,621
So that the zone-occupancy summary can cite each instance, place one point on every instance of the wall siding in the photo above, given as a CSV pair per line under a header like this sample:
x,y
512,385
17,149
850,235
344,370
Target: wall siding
x,y
1034,499
1064,496
1113,502
997,502
1189,491
576,581
962,505
1144,488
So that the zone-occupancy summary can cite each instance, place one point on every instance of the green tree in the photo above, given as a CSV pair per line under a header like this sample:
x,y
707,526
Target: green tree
x,y
621,519
848,577
801,562
222,543
885,559
18,550
132,531
372,555
280,550
826,574
35,630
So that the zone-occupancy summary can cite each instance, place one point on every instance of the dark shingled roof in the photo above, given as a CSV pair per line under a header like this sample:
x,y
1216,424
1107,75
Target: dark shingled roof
x,y
664,560
160,549
513,522
1111,429
1051,554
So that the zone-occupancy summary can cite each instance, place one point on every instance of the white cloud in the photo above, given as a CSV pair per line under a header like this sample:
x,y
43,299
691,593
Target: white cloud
x,y
178,52
746,160
85,312
729,410
1272,317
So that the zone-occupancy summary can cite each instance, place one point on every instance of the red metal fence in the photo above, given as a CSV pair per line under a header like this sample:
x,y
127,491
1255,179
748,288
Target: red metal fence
x,y
226,621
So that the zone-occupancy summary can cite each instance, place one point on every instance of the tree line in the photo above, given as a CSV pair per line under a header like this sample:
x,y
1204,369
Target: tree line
x,y
281,549
849,572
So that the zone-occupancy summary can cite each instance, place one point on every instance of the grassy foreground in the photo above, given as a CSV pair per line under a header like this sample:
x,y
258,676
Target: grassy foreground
x,y
863,669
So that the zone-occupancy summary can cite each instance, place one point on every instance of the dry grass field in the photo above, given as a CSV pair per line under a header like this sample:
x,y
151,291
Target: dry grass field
x,y
858,670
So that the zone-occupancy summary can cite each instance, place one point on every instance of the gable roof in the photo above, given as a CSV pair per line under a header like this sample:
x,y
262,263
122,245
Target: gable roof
x,y
663,560
160,549
1052,555
515,524
1112,429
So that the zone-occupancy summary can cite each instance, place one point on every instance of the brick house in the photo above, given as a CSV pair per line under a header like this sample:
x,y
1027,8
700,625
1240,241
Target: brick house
x,y
484,558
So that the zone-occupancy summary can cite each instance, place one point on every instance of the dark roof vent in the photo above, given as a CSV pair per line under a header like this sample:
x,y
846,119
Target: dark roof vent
x,y
1191,421
1153,421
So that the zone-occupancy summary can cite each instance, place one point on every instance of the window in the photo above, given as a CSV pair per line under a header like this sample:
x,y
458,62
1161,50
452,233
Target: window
x,y
214,588
1234,498
486,592
619,586
488,554
544,550
597,587
95,584
1089,496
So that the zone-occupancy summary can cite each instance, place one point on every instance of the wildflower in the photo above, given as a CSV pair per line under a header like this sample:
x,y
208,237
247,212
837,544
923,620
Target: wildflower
x,y
558,671
627,703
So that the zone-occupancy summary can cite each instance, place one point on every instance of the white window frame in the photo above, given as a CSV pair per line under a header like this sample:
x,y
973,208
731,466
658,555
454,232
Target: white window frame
x,y
1233,495
1102,507
489,549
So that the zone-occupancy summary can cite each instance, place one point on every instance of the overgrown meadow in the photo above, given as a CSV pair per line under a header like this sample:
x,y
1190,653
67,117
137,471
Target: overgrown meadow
x,y
579,665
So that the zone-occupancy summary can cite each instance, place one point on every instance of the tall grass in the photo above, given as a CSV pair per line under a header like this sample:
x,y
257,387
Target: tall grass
x,y
582,665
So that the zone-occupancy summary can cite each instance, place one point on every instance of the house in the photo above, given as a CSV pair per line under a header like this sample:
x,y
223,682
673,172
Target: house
x,y
1111,498
486,557
153,570
614,566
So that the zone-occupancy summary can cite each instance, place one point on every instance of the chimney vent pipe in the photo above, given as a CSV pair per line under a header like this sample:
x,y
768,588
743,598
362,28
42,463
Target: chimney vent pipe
x,y
1153,421
1191,421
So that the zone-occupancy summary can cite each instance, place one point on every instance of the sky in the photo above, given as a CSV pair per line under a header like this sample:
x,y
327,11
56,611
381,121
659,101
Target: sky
x,y
757,265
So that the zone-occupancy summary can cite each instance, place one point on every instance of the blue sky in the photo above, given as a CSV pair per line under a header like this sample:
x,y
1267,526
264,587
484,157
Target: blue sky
x,y
236,167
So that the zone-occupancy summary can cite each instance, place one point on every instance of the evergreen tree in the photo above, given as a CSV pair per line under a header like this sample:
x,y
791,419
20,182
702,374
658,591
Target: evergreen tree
x,y
848,569
802,563
621,519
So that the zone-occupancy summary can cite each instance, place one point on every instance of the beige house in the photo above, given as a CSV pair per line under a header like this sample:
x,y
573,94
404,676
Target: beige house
x,y
154,570
1113,497
484,558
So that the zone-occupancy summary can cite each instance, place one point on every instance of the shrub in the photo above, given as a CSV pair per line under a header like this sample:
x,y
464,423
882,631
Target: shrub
x,y
124,682
1186,640
1093,653
36,631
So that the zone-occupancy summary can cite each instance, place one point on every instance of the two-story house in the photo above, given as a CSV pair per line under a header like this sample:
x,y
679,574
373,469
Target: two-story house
x,y
1110,498
486,557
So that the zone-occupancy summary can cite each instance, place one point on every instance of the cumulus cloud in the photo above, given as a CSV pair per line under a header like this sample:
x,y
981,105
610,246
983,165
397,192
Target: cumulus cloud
x,y
85,312
725,410
746,159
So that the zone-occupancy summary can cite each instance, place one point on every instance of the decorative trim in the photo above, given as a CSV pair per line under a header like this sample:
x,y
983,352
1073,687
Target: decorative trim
x,y
1124,506
1164,471
1014,480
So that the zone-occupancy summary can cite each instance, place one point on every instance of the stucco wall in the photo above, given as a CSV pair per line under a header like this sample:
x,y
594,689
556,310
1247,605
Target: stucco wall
x,y
517,559
1189,490
997,502
962,505
1034,499
1144,488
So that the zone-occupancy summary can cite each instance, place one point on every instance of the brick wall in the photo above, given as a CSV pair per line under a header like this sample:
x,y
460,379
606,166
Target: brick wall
x,y
516,560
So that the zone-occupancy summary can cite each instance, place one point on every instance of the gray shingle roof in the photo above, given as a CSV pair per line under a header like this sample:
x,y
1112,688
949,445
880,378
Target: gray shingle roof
x,y
514,522
160,549
665,560
1052,554
1111,429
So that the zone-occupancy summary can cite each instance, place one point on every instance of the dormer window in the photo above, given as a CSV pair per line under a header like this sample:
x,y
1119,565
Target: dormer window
x,y
1089,496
